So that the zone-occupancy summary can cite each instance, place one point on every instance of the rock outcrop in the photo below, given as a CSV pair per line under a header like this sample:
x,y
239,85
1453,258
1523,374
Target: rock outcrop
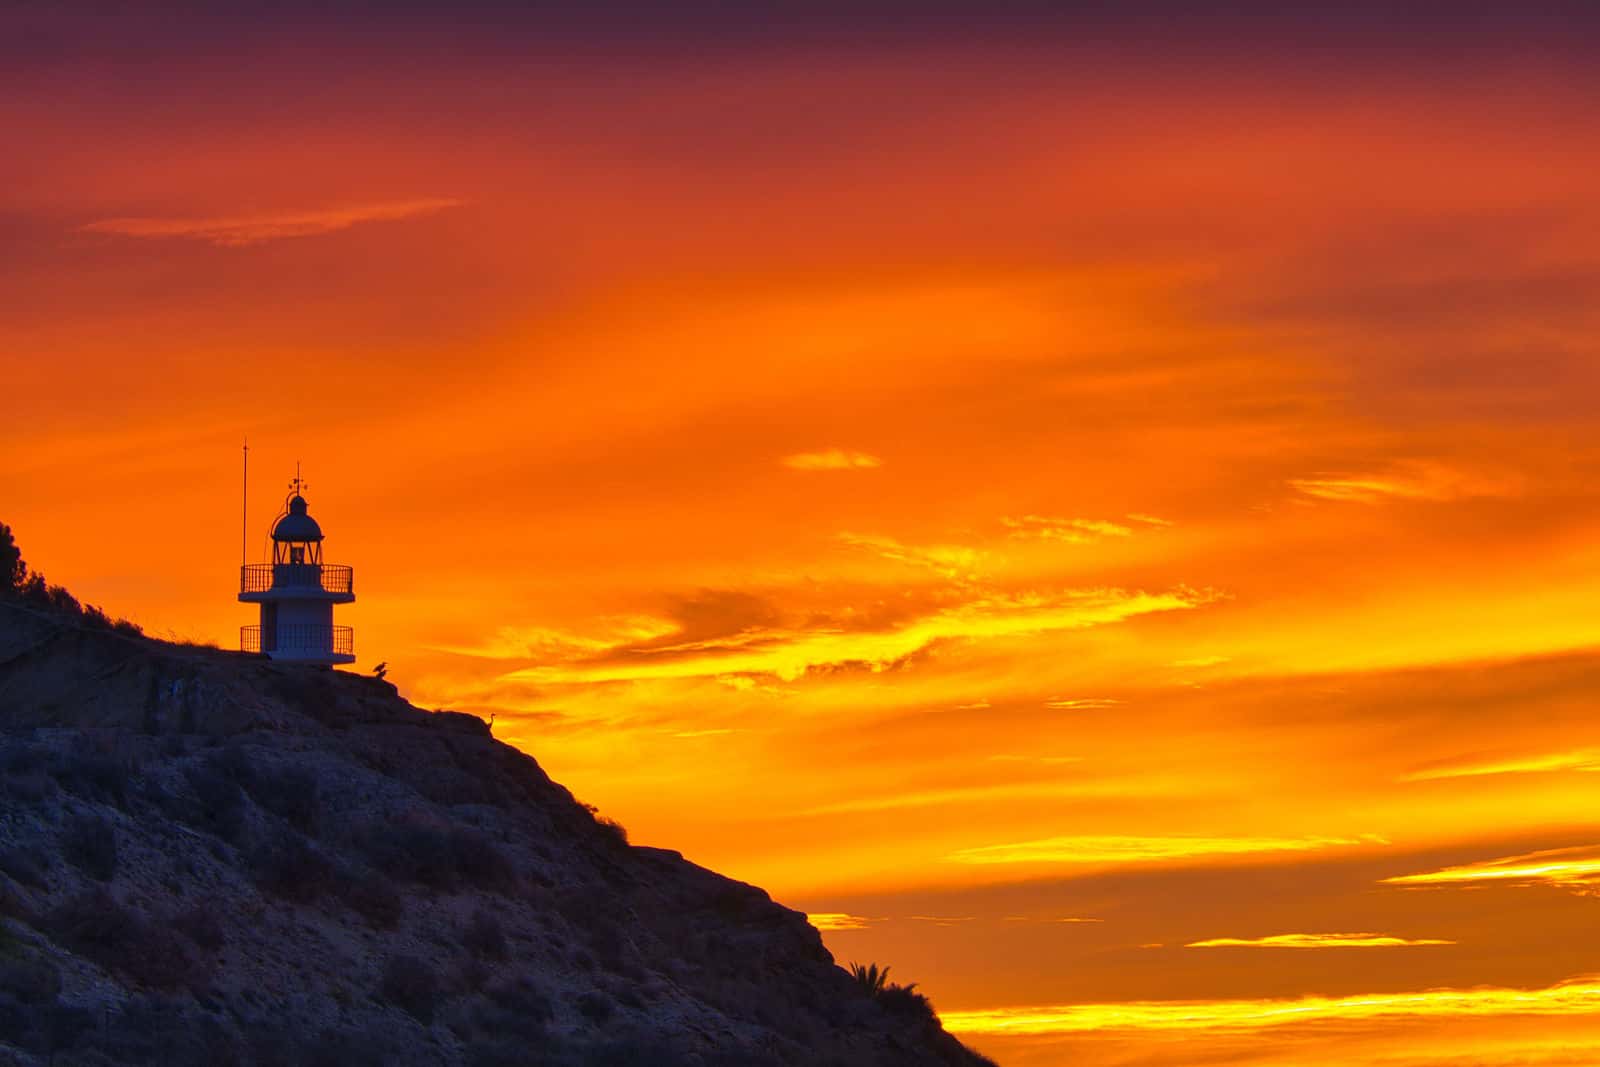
x,y
208,858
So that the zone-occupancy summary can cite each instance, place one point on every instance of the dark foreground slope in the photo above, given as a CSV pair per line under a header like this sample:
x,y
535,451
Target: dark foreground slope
x,y
206,858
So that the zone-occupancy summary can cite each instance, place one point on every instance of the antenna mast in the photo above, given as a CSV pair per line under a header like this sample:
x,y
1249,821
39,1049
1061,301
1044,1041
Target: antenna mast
x,y
244,527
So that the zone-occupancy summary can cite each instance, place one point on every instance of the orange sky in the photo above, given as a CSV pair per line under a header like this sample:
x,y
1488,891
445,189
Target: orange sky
x,y
960,483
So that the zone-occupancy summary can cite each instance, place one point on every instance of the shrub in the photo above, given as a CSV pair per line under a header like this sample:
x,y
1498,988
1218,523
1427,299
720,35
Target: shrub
x,y
219,806
90,844
92,775
869,978
288,792
595,1006
288,866
32,981
370,896
614,830
484,937
200,924
905,1000
439,857
23,865
95,925
411,984
12,568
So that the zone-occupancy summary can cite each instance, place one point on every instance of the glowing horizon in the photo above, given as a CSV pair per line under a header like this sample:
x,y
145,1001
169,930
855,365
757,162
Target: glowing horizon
x,y
1036,494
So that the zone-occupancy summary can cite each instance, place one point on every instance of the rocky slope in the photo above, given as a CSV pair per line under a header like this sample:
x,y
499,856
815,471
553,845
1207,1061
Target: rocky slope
x,y
207,858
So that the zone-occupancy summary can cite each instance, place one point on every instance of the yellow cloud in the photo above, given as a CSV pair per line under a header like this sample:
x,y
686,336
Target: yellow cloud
x,y
832,459
1118,850
1316,941
789,654
929,798
837,920
1579,996
951,561
1414,480
1584,759
1075,531
238,231
1577,869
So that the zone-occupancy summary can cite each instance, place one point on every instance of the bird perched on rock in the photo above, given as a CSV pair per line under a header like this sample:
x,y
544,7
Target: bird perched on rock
x,y
380,670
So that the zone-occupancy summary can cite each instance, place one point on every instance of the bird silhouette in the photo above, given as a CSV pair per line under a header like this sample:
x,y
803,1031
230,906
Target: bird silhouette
x,y
381,669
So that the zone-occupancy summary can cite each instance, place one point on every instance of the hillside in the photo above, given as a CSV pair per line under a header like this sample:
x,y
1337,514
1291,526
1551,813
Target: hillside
x,y
208,858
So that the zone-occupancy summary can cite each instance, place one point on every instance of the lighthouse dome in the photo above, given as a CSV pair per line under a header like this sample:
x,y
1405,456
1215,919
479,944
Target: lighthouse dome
x,y
297,525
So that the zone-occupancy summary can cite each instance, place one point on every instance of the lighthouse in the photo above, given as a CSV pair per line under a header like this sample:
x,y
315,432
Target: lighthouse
x,y
297,592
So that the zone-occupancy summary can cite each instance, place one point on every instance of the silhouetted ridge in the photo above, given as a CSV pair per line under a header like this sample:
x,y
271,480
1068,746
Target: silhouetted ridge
x,y
209,858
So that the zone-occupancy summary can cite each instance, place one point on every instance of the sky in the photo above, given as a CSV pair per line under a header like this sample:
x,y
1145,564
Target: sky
x,y
1096,508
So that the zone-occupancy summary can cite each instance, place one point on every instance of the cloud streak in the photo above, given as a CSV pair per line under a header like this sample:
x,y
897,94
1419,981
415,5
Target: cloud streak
x,y
1576,869
790,653
1072,531
1414,480
1304,941
1585,759
1105,850
1579,996
832,459
241,231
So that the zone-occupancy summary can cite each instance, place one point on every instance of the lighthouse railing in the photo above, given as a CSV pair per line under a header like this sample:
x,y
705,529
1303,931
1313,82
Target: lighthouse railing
x,y
299,637
326,577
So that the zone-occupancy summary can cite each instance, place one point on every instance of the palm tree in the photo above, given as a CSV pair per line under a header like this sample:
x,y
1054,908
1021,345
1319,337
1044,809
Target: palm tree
x,y
871,980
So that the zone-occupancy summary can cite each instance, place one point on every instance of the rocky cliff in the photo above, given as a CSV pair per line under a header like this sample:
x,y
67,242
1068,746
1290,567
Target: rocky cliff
x,y
208,858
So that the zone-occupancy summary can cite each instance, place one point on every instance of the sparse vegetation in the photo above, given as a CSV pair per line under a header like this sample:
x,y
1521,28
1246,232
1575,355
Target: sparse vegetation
x,y
204,840
288,866
596,1007
90,844
100,928
868,976
410,983
484,937
370,896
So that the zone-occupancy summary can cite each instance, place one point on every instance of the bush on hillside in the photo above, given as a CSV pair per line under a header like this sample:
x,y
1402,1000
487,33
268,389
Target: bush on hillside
x,y
411,984
97,926
89,843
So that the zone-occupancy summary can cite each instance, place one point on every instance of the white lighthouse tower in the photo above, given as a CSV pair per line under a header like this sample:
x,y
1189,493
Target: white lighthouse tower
x,y
297,592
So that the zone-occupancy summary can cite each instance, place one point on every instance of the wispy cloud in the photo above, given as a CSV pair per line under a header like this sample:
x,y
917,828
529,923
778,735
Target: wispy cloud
x,y
949,561
834,921
789,653
1414,480
943,920
1148,520
1081,704
239,231
1050,919
544,643
1583,759
1317,941
1073,531
974,794
1576,869
1119,850
1580,996
832,459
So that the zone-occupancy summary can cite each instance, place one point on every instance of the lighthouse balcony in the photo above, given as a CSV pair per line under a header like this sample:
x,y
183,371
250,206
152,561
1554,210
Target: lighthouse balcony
x,y
331,582
301,643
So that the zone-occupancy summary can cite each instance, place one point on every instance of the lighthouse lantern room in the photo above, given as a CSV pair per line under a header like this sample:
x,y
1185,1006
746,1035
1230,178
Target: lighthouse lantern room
x,y
297,592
